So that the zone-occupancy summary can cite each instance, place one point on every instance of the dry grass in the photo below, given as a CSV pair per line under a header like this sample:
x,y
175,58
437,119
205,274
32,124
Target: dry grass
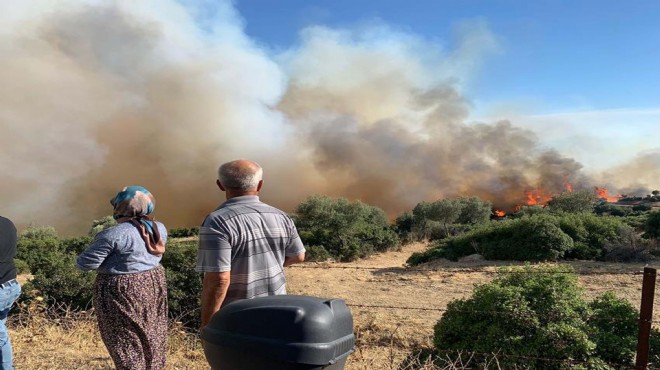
x,y
55,341
387,339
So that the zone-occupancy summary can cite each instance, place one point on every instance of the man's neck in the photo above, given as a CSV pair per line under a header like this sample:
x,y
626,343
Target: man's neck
x,y
233,194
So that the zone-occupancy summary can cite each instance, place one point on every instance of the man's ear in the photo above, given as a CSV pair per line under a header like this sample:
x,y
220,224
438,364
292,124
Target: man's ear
x,y
220,185
261,183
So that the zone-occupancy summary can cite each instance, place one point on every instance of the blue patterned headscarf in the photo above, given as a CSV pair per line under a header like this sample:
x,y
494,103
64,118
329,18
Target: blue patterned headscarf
x,y
134,204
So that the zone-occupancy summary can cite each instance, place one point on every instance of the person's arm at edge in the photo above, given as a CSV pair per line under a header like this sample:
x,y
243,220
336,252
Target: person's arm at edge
x,y
288,261
214,291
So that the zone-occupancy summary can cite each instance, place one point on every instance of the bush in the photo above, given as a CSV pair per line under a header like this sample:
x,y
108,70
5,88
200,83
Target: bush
x,y
39,233
346,230
101,224
538,237
612,210
538,312
52,262
77,244
590,233
629,248
652,225
613,327
21,266
61,284
36,245
184,286
316,253
642,208
526,239
183,232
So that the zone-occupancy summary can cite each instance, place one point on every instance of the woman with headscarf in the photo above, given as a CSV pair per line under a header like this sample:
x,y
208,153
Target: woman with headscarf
x,y
130,295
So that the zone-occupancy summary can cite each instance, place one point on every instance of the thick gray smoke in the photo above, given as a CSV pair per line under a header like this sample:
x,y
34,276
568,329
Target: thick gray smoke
x,y
99,95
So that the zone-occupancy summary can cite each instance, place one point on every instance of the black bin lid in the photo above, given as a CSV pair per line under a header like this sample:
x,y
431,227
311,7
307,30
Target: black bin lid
x,y
292,328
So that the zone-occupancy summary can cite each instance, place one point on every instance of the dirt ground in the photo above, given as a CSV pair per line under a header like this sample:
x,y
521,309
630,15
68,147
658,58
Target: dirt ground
x,y
386,335
372,288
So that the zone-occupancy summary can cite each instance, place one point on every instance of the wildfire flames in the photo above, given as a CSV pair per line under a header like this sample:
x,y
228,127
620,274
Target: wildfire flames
x,y
542,196
537,196
601,193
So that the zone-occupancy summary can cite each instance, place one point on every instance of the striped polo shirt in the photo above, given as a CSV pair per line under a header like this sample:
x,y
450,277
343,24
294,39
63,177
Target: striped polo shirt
x,y
250,239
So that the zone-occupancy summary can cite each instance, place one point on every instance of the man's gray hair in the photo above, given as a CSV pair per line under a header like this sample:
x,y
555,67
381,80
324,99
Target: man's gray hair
x,y
240,174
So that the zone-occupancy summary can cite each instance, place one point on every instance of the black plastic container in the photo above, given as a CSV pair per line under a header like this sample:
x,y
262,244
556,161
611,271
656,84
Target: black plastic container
x,y
282,332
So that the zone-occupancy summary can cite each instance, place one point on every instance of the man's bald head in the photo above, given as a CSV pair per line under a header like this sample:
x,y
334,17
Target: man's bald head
x,y
240,175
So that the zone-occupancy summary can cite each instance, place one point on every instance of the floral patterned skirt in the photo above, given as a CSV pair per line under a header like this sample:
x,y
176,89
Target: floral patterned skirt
x,y
131,311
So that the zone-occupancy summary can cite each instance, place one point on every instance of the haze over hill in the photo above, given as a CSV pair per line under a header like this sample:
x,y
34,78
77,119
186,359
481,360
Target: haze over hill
x,y
97,96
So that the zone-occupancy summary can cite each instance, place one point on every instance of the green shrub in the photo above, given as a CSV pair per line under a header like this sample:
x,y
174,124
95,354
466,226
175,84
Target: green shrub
x,y
636,221
76,245
36,245
183,232
184,285
61,284
539,237
652,225
316,253
347,230
613,327
52,262
21,266
612,210
534,238
641,208
539,313
101,224
590,233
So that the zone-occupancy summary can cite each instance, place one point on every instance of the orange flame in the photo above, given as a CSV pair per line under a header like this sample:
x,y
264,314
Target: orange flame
x,y
499,213
569,187
601,193
537,196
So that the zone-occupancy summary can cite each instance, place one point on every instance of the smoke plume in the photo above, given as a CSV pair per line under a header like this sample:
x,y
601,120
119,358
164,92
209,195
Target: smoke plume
x,y
100,95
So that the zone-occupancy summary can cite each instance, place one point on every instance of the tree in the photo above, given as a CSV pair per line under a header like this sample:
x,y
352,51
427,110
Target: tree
x,y
445,211
474,210
575,202
403,226
420,219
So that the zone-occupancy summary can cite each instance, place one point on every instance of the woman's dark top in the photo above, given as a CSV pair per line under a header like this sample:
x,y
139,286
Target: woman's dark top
x,y
7,250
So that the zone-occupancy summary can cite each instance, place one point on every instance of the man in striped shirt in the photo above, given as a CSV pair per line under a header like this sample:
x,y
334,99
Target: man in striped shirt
x,y
244,244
